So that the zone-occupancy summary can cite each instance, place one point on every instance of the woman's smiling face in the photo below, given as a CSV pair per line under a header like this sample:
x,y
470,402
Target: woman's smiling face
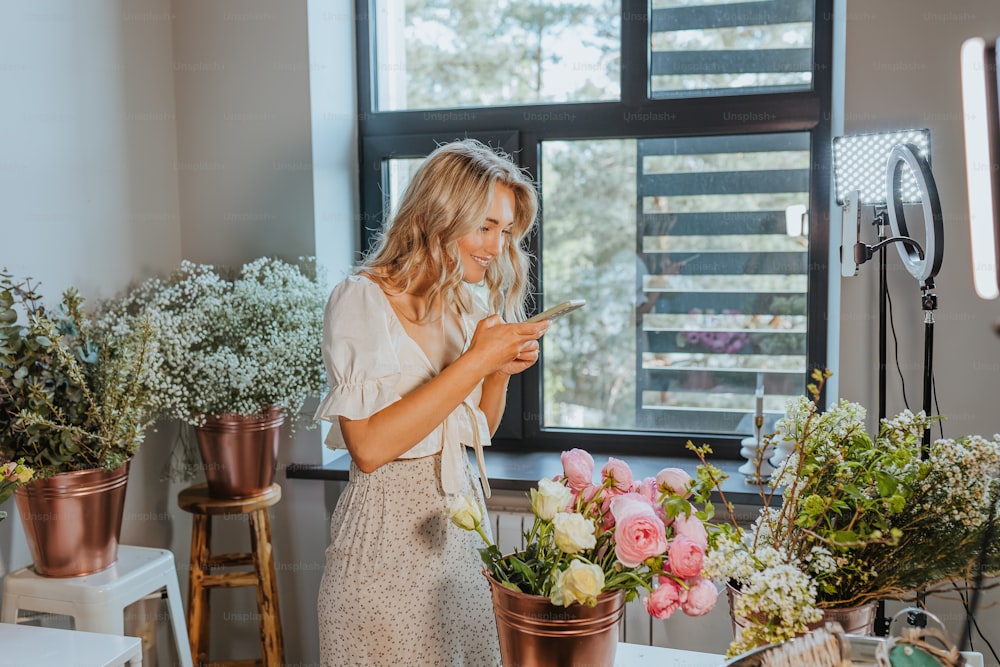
x,y
482,246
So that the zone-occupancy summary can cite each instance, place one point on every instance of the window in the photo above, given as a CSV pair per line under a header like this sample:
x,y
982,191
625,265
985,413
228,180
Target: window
x,y
682,154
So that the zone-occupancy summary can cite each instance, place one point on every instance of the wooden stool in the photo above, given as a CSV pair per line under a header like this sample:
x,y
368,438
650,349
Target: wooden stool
x,y
201,580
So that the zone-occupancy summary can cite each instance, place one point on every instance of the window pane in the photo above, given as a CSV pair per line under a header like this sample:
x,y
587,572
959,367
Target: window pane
x,y
433,54
397,174
720,47
588,252
695,274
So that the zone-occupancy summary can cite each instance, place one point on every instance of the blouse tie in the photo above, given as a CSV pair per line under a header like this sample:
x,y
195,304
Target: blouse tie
x,y
457,431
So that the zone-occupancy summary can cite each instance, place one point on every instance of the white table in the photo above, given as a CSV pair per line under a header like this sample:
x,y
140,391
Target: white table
x,y
636,655
51,647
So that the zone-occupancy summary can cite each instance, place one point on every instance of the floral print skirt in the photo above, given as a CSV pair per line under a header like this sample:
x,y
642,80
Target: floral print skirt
x,y
402,584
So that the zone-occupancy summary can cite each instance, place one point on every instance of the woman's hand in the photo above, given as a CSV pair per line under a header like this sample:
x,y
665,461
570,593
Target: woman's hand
x,y
527,357
506,348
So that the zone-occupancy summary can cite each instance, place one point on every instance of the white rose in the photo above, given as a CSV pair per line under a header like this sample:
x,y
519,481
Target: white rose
x,y
580,582
549,498
464,512
573,532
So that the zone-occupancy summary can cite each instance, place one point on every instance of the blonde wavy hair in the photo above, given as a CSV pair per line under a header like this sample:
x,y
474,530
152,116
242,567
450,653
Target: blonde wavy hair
x,y
448,198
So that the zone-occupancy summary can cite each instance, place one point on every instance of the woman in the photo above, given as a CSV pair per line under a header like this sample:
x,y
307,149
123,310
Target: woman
x,y
418,369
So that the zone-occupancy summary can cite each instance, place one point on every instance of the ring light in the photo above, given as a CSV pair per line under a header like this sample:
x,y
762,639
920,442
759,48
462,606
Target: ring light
x,y
922,268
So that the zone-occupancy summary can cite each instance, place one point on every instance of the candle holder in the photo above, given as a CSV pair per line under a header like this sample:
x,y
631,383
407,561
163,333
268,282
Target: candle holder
x,y
756,452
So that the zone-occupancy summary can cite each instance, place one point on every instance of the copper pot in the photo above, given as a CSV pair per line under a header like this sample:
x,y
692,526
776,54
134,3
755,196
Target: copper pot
x,y
73,520
534,632
858,620
240,452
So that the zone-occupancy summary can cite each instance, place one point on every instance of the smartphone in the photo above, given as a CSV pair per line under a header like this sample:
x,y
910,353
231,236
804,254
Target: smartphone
x,y
558,311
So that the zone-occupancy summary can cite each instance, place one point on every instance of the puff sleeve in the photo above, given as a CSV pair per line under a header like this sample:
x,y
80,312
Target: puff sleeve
x,y
360,355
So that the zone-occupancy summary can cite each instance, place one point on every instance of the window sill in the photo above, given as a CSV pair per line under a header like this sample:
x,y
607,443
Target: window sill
x,y
520,471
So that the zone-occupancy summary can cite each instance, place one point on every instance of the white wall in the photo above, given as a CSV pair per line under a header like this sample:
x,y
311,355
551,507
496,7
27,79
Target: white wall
x,y
88,188
88,191
244,167
139,132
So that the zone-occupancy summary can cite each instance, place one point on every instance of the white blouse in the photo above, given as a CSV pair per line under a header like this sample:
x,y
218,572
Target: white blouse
x,y
371,362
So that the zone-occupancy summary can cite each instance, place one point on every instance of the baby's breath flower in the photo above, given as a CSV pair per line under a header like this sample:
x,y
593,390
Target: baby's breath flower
x,y
850,518
231,346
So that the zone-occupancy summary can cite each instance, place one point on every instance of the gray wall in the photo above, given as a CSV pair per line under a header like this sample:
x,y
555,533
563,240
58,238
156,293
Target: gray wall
x,y
902,71
139,132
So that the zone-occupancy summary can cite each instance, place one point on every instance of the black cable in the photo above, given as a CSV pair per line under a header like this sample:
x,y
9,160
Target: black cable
x,y
895,348
970,609
937,406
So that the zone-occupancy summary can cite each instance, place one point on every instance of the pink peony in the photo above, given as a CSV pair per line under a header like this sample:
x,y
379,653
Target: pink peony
x,y
639,533
674,480
617,475
686,557
700,598
692,527
665,599
579,468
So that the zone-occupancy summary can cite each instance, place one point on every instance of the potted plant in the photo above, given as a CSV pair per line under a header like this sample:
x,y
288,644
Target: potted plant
x,y
74,410
591,548
849,519
235,355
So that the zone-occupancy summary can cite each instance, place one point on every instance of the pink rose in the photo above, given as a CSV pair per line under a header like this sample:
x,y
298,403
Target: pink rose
x,y
692,527
665,599
674,480
588,500
590,492
617,475
609,499
639,533
648,488
579,468
686,557
700,598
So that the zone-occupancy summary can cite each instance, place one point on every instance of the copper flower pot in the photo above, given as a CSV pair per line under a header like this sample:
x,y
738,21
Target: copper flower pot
x,y
240,452
73,520
854,620
534,632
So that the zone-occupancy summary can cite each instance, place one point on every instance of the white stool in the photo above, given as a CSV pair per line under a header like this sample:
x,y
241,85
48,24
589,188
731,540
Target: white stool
x,y
97,601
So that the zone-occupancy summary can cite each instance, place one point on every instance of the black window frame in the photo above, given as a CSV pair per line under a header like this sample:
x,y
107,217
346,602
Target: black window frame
x,y
521,128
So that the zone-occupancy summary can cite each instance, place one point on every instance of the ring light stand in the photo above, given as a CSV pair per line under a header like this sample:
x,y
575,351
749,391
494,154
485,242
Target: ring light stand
x,y
922,265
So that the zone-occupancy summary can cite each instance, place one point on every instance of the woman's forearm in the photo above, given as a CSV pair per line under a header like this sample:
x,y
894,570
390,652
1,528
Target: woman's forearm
x,y
494,399
396,428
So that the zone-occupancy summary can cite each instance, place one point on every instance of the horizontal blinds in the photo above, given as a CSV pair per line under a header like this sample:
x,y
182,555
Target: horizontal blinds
x,y
707,47
724,282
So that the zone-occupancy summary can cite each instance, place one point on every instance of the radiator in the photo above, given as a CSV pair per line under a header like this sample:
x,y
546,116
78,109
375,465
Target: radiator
x,y
711,633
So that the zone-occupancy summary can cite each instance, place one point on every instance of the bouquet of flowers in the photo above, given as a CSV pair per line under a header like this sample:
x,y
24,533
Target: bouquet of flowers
x,y
589,538
849,519
72,395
